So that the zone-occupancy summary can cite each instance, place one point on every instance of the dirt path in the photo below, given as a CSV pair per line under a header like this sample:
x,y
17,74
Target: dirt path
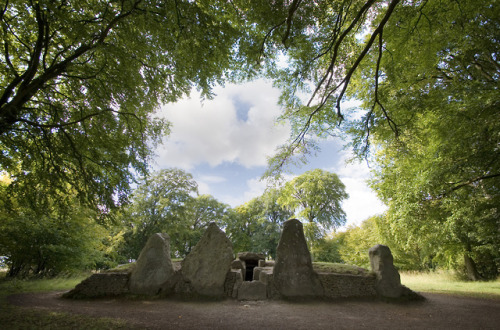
x,y
437,312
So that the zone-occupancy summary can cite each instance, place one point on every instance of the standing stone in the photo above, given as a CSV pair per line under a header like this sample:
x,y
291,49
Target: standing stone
x,y
388,280
154,273
206,266
293,272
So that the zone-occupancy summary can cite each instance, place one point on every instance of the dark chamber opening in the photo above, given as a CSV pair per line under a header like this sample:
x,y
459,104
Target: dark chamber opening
x,y
250,265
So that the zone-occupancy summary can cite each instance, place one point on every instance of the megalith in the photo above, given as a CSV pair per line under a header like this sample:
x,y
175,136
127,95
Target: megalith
x,y
382,263
293,272
206,266
153,273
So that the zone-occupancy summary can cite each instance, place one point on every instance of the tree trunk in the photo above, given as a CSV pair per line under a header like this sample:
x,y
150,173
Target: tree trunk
x,y
471,268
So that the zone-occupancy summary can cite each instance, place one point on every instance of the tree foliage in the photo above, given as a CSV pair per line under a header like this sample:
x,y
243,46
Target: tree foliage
x,y
316,196
79,84
168,202
427,73
47,240
256,225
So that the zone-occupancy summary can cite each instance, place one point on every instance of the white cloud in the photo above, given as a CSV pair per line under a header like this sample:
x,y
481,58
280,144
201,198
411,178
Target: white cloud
x,y
214,132
362,202
205,181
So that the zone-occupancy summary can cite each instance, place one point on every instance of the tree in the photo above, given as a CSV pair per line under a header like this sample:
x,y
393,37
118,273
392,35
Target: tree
x,y
256,225
168,202
325,46
440,174
158,205
427,73
38,238
200,212
79,84
316,196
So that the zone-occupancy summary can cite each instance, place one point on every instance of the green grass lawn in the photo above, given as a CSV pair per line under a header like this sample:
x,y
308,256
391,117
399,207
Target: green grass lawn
x,y
446,282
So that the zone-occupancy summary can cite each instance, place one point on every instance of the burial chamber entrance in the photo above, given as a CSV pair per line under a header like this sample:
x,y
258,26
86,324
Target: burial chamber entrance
x,y
250,265
247,261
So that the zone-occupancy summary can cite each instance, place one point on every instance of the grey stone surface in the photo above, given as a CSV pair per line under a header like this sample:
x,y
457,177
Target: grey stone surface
x,y
257,271
266,263
264,274
234,278
347,285
100,285
252,290
388,281
251,256
238,264
293,272
206,266
154,273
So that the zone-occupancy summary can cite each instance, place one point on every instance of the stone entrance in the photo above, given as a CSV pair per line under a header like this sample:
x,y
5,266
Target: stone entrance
x,y
248,261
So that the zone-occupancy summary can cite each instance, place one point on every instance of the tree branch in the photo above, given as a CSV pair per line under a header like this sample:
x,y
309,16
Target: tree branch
x,y
291,11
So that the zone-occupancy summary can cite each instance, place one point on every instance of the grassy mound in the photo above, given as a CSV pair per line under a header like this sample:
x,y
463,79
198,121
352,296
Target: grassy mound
x,y
328,267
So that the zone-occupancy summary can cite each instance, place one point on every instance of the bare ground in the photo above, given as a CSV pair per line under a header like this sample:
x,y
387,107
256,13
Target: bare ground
x,y
437,312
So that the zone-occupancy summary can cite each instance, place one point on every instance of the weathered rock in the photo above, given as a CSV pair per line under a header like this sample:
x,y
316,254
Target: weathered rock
x,y
382,263
234,278
266,263
293,272
154,273
254,290
264,274
348,285
257,271
238,264
100,285
206,266
251,256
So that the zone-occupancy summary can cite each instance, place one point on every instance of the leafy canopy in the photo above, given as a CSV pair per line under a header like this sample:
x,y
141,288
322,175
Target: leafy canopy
x,y
316,196
80,81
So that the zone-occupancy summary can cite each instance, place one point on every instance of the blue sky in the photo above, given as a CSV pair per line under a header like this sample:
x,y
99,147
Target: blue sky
x,y
225,142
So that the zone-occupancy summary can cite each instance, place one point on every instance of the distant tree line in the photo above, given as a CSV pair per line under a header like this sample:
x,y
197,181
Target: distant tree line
x,y
47,241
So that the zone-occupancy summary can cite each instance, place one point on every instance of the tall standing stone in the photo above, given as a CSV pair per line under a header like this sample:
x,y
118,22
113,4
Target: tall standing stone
x,y
382,264
293,272
154,273
206,266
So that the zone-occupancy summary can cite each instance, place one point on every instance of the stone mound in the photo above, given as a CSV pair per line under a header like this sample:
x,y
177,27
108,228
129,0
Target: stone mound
x,y
100,285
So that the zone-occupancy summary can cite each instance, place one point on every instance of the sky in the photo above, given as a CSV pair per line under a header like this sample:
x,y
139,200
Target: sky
x,y
225,142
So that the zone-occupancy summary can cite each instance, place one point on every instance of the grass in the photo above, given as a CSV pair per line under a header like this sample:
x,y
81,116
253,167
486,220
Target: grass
x,y
446,282
328,267
13,317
